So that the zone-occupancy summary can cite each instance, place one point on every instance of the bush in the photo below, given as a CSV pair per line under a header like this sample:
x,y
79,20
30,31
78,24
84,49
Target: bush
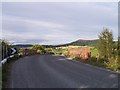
x,y
58,51
112,64
39,51
94,52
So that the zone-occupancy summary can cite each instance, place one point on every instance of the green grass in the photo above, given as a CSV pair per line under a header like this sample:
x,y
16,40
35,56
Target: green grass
x,y
58,51
94,52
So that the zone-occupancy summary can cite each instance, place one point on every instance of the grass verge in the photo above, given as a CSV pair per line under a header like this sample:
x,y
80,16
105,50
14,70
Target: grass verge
x,y
6,70
98,63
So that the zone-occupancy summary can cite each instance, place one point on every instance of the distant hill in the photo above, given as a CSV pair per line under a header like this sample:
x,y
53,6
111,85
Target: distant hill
x,y
23,45
79,42
82,42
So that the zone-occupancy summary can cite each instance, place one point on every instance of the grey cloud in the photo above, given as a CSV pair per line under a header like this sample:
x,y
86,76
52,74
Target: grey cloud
x,y
58,22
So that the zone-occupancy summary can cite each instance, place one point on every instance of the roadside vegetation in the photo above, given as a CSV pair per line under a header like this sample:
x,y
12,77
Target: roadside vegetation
x,y
108,50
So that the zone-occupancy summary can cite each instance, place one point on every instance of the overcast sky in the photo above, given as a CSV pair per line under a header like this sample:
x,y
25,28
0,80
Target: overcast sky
x,y
57,23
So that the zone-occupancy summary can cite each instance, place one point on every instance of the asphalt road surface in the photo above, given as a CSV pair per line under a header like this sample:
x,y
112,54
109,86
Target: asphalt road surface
x,y
47,71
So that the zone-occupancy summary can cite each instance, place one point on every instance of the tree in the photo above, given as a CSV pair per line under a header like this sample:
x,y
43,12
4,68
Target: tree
x,y
105,44
118,46
4,49
118,49
38,48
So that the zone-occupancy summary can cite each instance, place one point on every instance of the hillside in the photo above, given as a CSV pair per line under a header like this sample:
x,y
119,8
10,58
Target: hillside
x,y
79,42
82,42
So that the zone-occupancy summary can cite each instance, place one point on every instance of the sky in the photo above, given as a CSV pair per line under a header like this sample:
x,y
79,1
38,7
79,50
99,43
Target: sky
x,y
57,22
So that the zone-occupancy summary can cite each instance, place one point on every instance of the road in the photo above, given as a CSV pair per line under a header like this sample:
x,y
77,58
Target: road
x,y
47,71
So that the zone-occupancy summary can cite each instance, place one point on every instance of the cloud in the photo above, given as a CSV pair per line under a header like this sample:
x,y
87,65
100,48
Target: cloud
x,y
15,21
61,1
56,23
23,38
20,30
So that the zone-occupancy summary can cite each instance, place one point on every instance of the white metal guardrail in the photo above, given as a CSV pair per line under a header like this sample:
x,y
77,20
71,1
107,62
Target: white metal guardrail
x,y
5,60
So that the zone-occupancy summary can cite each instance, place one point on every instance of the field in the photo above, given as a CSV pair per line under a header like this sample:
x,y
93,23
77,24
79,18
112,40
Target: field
x,y
94,52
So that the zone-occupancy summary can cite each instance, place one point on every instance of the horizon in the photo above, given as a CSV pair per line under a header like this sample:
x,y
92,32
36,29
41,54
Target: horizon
x,y
33,23
56,44
52,44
